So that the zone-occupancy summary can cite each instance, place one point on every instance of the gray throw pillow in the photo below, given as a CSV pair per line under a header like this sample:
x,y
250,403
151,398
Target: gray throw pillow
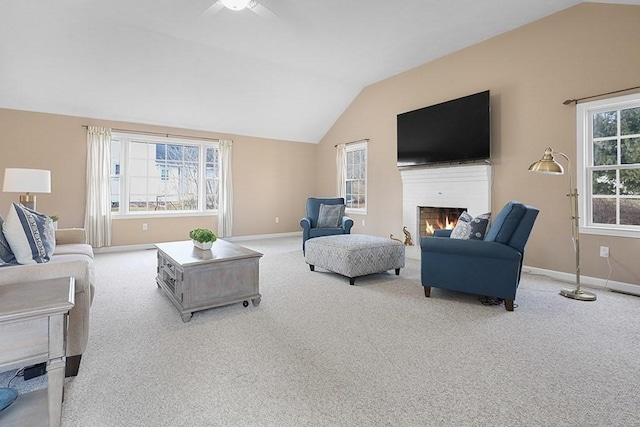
x,y
330,216
470,228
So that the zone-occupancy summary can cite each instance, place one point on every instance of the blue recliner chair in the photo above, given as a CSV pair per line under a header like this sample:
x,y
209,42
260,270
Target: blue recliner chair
x,y
309,223
489,267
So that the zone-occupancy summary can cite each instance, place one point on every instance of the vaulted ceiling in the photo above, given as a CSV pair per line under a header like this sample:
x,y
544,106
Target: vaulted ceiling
x,y
179,63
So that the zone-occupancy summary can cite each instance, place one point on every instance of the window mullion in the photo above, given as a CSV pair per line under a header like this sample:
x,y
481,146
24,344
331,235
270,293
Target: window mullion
x,y
124,183
201,184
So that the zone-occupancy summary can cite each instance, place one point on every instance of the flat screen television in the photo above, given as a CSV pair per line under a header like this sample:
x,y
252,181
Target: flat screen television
x,y
453,131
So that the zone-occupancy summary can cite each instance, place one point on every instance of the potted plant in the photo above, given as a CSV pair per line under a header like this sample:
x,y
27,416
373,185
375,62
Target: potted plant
x,y
54,218
203,238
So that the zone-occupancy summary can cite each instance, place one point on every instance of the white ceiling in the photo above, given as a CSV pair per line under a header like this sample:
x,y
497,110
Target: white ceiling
x,y
165,62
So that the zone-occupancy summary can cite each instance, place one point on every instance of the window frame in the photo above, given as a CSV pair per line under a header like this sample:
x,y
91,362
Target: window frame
x,y
584,150
356,146
126,139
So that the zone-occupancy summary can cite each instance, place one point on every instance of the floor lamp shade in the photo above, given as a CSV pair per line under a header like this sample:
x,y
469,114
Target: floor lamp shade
x,y
17,180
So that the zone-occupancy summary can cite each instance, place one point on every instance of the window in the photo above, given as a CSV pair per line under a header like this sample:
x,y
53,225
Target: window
x,y
609,165
161,175
356,177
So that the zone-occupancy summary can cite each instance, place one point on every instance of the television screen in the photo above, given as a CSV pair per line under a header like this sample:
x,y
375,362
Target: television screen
x,y
453,131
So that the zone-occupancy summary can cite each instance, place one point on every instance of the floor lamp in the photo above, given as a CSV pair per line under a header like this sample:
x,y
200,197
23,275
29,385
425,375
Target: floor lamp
x,y
548,165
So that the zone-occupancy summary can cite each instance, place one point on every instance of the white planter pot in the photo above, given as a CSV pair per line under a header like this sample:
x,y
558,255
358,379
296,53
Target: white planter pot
x,y
204,246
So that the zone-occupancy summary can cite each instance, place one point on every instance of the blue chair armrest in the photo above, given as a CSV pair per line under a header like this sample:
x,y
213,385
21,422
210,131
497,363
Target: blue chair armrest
x,y
468,248
305,223
347,223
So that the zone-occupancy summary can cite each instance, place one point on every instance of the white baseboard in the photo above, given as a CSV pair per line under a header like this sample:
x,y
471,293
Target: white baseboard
x,y
592,282
143,246
264,236
124,248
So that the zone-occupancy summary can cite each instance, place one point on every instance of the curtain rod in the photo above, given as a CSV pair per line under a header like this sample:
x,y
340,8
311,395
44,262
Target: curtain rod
x,y
351,142
572,101
166,135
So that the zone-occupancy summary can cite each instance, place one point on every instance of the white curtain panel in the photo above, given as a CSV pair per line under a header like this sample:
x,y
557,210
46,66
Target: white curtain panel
x,y
341,173
225,204
97,218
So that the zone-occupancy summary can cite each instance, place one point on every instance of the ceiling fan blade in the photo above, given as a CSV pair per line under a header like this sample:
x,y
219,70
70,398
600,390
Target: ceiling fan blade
x,y
261,10
214,8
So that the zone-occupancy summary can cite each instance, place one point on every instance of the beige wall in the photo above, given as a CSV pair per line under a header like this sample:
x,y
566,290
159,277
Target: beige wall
x,y
271,178
582,51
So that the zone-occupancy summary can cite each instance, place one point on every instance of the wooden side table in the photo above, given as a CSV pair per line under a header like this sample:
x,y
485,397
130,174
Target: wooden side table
x,y
33,328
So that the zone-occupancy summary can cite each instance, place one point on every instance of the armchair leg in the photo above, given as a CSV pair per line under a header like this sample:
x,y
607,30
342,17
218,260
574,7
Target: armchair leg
x,y
508,304
427,291
72,366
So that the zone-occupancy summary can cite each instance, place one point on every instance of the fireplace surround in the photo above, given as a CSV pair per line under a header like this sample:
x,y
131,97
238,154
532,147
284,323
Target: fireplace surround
x,y
466,187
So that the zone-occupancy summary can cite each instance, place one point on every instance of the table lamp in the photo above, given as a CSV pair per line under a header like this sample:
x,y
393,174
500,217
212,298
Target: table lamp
x,y
17,180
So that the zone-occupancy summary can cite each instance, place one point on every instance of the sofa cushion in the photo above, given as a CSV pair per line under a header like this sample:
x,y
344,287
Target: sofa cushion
x,y
74,249
330,216
506,222
30,234
470,228
6,255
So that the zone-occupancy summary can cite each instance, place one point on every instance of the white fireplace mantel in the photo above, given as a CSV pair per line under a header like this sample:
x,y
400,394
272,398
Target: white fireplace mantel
x,y
465,186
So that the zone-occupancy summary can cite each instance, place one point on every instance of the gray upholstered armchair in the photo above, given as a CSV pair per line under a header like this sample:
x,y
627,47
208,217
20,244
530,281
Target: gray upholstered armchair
x,y
489,267
309,223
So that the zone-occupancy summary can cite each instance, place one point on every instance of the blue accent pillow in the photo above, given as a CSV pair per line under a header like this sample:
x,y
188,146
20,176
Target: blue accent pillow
x,y
7,396
30,234
470,228
506,222
6,255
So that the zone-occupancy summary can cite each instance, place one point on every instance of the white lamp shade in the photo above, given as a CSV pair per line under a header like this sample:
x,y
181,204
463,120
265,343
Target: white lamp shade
x,y
18,180
235,4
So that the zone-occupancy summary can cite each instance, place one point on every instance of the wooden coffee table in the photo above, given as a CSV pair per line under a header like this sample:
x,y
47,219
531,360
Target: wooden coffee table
x,y
196,279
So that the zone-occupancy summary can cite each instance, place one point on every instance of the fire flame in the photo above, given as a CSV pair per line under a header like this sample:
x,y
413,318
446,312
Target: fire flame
x,y
448,225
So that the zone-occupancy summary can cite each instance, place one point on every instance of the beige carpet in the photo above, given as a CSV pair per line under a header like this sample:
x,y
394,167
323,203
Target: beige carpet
x,y
318,352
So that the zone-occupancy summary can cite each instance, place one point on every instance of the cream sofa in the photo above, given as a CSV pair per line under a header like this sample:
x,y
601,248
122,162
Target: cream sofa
x,y
71,257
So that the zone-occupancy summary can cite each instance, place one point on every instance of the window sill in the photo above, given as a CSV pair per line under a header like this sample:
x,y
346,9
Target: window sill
x,y
118,216
349,211
610,232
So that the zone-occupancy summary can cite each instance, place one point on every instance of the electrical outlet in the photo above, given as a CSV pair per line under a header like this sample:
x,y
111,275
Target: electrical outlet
x,y
277,219
363,222
604,251
145,226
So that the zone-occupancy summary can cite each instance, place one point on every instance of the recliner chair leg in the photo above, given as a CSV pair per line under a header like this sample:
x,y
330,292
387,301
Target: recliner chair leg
x,y
508,304
72,366
427,291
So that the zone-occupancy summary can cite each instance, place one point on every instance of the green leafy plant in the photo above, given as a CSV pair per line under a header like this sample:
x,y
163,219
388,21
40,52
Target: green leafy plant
x,y
54,218
202,235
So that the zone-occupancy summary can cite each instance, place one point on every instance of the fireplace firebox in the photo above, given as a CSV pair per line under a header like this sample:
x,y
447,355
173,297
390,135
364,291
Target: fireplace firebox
x,y
436,218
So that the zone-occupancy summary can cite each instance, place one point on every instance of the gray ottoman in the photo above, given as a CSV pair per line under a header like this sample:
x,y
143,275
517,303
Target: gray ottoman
x,y
354,255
